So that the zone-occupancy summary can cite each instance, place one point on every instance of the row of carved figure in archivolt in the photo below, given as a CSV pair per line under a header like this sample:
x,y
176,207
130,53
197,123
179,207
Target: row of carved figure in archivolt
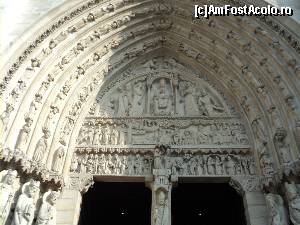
x,y
188,164
22,204
162,131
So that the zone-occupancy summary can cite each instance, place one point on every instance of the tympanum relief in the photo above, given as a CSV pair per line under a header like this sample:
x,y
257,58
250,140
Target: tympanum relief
x,y
161,102
162,94
161,107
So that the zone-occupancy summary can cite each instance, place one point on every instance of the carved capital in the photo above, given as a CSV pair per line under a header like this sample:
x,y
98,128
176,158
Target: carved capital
x,y
244,184
81,182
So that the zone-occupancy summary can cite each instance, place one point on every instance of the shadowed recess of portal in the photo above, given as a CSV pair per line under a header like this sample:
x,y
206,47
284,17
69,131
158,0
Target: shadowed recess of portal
x,y
113,203
207,204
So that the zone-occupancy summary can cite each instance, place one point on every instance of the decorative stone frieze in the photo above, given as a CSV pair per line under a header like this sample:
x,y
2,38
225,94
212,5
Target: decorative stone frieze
x,y
140,162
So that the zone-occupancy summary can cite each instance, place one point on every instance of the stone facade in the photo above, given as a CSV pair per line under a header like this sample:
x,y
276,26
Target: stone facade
x,y
139,89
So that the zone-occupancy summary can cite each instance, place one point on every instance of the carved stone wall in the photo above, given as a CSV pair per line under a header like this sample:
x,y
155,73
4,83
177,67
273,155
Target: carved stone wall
x,y
103,83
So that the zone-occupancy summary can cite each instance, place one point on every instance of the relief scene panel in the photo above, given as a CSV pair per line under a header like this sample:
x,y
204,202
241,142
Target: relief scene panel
x,y
160,101
141,163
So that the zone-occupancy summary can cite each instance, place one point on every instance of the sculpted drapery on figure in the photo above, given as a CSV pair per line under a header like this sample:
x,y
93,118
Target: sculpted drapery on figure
x,y
277,211
58,159
166,94
162,99
283,148
161,187
124,100
41,146
23,134
7,193
47,211
25,208
161,208
207,106
293,197
138,99
187,91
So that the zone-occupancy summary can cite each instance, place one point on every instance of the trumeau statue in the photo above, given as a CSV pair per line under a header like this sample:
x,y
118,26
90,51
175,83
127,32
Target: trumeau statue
x,y
47,212
277,211
293,197
25,208
7,193
161,210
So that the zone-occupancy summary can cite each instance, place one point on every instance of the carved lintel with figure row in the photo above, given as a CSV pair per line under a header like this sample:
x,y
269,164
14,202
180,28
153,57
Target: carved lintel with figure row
x,y
201,132
144,163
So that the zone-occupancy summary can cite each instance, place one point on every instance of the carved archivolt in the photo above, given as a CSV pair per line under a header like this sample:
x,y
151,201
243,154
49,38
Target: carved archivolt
x,y
106,81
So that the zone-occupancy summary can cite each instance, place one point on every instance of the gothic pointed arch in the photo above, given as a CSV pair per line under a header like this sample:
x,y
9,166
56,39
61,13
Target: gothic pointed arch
x,y
103,78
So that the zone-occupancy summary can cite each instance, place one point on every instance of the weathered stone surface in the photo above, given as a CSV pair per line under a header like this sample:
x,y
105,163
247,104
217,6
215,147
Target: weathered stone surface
x,y
143,91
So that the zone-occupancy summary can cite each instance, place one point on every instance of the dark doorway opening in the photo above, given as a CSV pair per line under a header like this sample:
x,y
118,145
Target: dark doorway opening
x,y
213,204
113,203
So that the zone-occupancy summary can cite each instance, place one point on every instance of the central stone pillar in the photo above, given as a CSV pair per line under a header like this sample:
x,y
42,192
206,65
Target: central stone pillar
x,y
161,186
161,197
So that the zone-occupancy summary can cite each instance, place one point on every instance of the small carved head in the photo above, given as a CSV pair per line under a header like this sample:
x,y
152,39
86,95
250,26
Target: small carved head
x,y
10,176
46,132
35,62
90,17
53,196
28,120
52,44
110,7
32,188
291,190
280,134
